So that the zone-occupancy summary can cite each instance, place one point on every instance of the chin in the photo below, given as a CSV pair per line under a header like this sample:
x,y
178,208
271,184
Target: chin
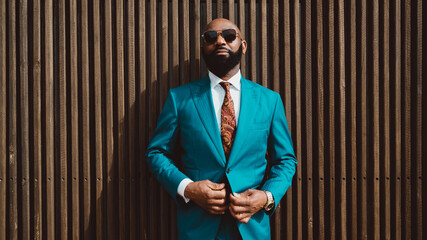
x,y
220,61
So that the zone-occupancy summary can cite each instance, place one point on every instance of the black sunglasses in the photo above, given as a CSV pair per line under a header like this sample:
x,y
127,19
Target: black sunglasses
x,y
211,36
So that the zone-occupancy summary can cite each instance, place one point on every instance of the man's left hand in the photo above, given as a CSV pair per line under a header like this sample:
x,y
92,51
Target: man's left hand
x,y
244,205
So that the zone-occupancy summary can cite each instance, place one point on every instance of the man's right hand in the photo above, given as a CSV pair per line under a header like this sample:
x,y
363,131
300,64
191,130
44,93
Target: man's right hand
x,y
208,195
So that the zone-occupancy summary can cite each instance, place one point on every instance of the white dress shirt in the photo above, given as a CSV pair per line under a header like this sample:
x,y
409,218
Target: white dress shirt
x,y
218,94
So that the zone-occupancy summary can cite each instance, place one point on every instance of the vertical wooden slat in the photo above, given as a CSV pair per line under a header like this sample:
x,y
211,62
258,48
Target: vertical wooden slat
x,y
308,119
276,229
74,95
37,143
242,26
363,148
12,133
175,44
288,107
154,216
353,109
131,115
175,78
321,126
3,120
331,118
49,124
142,116
276,49
386,120
287,82
376,121
197,38
419,121
63,122
86,159
24,182
186,44
264,73
208,11
98,119
164,80
342,122
252,40
112,180
398,121
123,204
407,136
219,8
298,132
231,10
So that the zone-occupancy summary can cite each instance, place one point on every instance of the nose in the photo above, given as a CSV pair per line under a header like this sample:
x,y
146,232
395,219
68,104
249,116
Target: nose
x,y
220,40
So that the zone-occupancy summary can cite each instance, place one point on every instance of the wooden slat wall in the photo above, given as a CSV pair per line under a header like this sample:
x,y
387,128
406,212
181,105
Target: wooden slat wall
x,y
83,82
3,99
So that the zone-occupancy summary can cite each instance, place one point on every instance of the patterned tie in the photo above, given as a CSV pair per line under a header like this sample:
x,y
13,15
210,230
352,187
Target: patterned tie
x,y
228,120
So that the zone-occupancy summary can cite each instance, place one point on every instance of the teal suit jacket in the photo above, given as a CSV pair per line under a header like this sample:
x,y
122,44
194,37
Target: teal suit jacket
x,y
187,144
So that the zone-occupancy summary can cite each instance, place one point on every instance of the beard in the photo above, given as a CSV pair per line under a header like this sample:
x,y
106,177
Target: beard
x,y
221,65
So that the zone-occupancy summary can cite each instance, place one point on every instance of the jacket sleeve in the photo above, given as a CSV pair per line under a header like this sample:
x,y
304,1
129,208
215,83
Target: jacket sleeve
x,y
162,147
280,149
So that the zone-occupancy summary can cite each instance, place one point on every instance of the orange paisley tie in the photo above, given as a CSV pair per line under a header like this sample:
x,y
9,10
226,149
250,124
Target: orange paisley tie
x,y
228,120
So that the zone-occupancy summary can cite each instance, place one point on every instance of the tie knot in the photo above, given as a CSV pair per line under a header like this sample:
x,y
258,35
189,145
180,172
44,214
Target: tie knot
x,y
225,85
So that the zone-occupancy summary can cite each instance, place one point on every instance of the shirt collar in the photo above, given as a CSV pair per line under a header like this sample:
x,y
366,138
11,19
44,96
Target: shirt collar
x,y
234,80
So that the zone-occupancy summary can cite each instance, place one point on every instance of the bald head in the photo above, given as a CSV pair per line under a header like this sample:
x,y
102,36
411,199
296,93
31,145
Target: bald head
x,y
220,24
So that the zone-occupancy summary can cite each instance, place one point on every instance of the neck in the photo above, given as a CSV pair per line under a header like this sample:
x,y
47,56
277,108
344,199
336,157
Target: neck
x,y
229,74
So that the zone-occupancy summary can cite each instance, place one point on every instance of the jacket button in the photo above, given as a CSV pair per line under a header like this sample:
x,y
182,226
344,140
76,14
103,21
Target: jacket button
x,y
228,170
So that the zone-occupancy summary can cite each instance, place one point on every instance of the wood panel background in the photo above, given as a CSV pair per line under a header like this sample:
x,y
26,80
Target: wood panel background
x,y
83,82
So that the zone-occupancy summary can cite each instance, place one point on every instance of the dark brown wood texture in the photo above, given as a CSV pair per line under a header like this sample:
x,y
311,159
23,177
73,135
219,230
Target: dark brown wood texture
x,y
82,84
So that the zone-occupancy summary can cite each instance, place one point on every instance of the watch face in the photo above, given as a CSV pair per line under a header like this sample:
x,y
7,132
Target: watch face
x,y
270,201
269,206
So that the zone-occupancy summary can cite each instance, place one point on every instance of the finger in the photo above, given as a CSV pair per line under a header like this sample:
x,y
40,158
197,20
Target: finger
x,y
217,194
217,209
244,220
244,194
216,186
216,213
243,216
238,200
217,202
234,198
233,214
240,216
239,209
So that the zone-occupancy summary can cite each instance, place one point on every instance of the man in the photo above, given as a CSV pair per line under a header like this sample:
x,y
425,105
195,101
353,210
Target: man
x,y
210,147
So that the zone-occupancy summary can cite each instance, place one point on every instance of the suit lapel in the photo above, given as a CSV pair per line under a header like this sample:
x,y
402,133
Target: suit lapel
x,y
249,96
202,97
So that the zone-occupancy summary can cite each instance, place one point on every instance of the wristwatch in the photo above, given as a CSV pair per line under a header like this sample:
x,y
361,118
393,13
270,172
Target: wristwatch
x,y
270,201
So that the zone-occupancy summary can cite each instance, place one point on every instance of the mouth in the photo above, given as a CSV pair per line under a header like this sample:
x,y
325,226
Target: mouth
x,y
221,51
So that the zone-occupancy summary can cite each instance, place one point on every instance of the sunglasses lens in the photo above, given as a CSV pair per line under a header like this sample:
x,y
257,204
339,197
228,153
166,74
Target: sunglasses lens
x,y
210,36
229,35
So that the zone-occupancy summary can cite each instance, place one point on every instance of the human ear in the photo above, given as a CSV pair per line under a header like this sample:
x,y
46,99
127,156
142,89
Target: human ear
x,y
244,46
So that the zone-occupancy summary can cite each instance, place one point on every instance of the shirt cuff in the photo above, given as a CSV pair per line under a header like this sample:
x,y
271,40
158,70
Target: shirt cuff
x,y
181,188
